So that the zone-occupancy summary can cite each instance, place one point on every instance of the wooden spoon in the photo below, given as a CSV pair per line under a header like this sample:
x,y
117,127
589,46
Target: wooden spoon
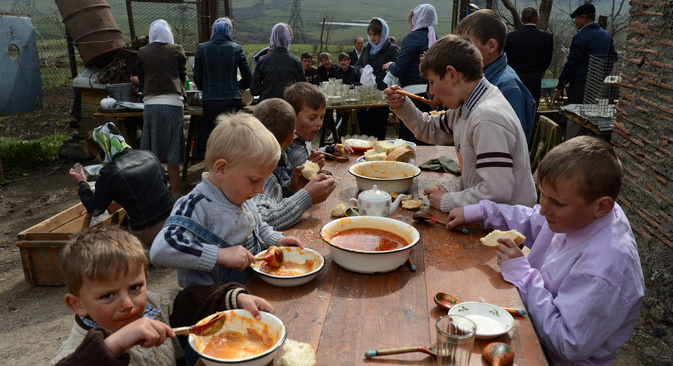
x,y
210,327
446,302
498,353
424,215
339,158
434,103
273,256
432,350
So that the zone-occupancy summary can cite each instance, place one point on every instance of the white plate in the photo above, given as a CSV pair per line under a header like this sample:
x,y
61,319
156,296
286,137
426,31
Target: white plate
x,y
492,321
398,142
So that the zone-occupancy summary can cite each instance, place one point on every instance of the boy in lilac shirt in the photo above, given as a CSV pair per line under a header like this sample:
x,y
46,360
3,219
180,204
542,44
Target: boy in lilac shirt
x,y
582,282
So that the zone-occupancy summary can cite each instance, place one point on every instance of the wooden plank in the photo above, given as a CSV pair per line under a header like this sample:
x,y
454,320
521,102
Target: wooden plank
x,y
55,221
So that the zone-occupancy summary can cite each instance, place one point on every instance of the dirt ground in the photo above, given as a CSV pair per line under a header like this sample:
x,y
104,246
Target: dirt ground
x,y
35,319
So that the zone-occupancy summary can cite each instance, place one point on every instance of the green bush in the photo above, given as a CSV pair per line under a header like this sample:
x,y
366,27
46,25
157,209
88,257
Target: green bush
x,y
19,155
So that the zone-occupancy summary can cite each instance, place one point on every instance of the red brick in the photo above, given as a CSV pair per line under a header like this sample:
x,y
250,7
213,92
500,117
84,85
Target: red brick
x,y
649,13
665,42
620,126
642,233
641,109
656,83
658,193
638,24
664,97
659,64
651,74
664,117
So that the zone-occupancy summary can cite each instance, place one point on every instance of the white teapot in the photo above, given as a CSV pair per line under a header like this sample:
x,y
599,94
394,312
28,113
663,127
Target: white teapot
x,y
375,202
108,103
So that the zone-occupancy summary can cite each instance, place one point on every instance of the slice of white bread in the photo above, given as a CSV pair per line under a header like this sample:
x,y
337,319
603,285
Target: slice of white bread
x,y
298,354
491,240
310,170
375,157
385,147
411,204
403,153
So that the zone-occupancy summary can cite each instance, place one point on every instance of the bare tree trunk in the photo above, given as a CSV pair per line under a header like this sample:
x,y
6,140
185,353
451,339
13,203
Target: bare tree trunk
x,y
516,18
321,31
545,12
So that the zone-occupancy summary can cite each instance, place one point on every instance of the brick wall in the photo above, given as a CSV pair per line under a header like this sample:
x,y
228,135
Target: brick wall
x,y
643,137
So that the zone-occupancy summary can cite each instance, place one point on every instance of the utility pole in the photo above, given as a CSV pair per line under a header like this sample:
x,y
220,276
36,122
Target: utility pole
x,y
295,22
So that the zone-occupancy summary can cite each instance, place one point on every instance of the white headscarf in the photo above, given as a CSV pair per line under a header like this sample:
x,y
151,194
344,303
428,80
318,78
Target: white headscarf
x,y
384,37
224,26
425,16
280,36
160,32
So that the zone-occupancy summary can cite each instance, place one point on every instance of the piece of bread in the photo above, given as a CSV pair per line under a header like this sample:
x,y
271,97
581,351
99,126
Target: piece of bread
x,y
384,146
339,149
403,153
491,240
298,354
310,170
411,204
339,210
376,157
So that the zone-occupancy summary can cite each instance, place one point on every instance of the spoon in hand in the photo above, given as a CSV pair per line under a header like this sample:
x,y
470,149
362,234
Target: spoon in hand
x,y
424,215
273,256
210,327
446,302
434,103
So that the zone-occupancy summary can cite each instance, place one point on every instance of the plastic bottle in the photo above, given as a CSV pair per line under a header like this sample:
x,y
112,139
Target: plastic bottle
x,y
186,82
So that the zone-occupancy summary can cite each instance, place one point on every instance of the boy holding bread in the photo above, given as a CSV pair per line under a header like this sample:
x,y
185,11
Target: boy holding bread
x,y
213,233
490,143
281,205
582,282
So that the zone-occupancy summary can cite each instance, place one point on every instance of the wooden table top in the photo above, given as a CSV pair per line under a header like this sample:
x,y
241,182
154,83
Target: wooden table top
x,y
344,314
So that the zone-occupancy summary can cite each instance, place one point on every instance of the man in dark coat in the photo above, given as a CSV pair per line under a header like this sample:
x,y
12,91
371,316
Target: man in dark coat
x,y
529,51
590,40
354,54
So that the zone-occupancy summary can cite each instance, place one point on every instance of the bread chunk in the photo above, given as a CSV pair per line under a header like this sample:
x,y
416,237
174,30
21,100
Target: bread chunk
x,y
491,240
340,149
411,204
339,210
310,170
384,147
298,354
375,157
403,153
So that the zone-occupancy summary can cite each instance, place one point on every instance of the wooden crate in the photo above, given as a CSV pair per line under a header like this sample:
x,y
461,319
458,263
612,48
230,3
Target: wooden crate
x,y
40,246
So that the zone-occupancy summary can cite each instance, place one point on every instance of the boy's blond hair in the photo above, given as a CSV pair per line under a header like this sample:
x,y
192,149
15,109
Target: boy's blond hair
x,y
590,160
304,94
457,51
240,138
484,24
278,116
100,253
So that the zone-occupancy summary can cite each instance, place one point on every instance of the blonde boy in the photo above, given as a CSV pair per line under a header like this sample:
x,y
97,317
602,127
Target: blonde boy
x,y
582,282
117,321
489,140
282,206
214,232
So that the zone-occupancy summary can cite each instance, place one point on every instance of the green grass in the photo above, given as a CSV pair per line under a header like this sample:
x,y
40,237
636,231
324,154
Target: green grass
x,y
18,155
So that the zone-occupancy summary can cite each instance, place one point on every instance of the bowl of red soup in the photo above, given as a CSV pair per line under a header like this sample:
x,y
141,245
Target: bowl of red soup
x,y
299,266
369,244
242,341
389,176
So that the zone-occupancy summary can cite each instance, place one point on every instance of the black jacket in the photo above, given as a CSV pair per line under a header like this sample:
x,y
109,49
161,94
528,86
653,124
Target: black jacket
x,y
387,53
274,72
216,69
529,52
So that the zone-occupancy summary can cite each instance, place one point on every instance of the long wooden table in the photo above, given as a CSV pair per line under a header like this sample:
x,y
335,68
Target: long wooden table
x,y
343,314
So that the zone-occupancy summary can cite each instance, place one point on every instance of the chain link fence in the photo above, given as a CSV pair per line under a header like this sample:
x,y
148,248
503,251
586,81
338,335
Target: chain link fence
x,y
181,16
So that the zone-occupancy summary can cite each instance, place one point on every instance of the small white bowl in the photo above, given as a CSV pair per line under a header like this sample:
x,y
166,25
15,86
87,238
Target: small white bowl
x,y
240,321
370,261
492,321
299,256
389,176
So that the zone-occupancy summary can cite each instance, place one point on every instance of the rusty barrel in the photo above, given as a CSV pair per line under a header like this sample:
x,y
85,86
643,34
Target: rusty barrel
x,y
92,28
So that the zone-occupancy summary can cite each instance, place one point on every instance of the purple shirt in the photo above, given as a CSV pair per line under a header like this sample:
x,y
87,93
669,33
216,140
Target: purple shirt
x,y
582,289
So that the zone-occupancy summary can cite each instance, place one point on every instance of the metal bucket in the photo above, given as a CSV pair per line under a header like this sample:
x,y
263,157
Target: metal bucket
x,y
120,92
92,28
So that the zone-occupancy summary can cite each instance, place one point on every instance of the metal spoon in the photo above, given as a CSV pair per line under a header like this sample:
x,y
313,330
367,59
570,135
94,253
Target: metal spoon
x,y
424,215
210,327
446,302
273,256
432,350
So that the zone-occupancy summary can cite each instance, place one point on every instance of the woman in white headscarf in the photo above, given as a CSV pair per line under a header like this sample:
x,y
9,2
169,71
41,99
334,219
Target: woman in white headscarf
x,y
423,20
278,69
377,53
162,74
216,66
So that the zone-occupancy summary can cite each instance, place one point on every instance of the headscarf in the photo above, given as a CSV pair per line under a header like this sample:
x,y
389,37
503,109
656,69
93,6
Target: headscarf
x,y
223,26
384,37
425,16
281,36
110,140
160,32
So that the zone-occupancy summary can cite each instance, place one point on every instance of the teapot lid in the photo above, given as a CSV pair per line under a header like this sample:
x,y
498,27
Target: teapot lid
x,y
375,194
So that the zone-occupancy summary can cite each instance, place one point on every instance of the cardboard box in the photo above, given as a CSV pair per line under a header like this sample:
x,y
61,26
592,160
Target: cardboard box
x,y
40,245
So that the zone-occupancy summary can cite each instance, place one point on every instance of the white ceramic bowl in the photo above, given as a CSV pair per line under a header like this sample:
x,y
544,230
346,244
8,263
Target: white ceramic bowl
x,y
362,160
240,320
299,256
389,176
370,261
492,321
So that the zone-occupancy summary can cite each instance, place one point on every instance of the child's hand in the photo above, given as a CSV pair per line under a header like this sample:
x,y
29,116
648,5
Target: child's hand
x,y
456,218
395,100
289,241
297,182
144,331
507,249
320,187
435,196
318,158
253,304
78,174
349,150
236,257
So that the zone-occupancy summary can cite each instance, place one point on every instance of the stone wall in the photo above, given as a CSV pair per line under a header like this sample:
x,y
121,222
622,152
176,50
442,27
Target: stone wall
x,y
643,137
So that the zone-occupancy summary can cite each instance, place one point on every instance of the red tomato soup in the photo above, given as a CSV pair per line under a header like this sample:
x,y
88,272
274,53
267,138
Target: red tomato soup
x,y
368,239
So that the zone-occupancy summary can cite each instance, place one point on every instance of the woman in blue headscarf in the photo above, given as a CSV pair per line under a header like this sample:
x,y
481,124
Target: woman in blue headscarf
x,y
216,66
378,52
278,69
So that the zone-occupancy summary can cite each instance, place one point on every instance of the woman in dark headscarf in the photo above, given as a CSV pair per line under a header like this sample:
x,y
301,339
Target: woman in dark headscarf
x,y
162,74
215,73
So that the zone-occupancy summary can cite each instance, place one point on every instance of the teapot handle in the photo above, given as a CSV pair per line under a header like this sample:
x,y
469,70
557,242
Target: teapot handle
x,y
356,208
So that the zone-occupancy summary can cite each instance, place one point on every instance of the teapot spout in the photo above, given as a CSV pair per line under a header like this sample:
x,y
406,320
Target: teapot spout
x,y
395,203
